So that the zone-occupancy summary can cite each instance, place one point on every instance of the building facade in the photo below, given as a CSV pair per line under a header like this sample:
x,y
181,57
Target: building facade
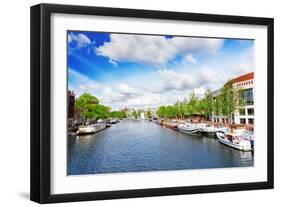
x,y
73,114
244,114
70,104
245,84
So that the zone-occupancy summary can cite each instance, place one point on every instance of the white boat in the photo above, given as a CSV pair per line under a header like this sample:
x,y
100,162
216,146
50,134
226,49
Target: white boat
x,y
234,140
113,121
208,129
91,129
191,129
249,135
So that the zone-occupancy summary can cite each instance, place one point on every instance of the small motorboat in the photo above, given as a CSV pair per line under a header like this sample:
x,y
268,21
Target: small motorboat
x,y
234,140
191,129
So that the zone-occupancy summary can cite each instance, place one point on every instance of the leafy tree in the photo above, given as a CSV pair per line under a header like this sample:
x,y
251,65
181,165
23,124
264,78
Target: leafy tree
x,y
161,112
97,111
118,114
85,103
229,100
148,114
206,104
217,106
191,107
171,112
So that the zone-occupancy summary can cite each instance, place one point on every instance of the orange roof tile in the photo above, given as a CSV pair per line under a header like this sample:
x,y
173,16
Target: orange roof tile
x,y
245,77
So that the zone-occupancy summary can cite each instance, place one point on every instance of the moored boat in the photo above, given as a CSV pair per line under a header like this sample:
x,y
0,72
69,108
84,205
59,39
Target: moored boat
x,y
208,129
172,124
249,135
91,129
234,140
113,121
191,129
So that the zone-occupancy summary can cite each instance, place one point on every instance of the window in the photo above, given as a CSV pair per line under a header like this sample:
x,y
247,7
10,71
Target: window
x,y
242,121
250,121
247,96
251,111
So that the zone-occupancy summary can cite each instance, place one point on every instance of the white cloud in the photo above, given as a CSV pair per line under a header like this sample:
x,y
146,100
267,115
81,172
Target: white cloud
x,y
190,58
184,81
126,89
144,101
81,83
81,40
207,75
121,92
154,50
78,41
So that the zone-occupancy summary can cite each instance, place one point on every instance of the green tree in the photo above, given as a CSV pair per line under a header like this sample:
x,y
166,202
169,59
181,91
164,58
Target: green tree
x,y
148,113
134,114
118,114
161,112
206,104
97,111
217,106
85,103
191,107
229,100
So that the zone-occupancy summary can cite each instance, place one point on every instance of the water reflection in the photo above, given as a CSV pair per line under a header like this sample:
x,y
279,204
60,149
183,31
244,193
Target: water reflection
x,y
132,146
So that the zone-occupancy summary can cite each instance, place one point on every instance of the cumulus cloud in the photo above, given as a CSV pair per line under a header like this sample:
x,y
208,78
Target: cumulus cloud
x,y
184,81
126,89
153,50
120,93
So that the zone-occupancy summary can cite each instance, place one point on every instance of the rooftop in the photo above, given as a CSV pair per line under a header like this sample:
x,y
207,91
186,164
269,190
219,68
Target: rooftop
x,y
248,76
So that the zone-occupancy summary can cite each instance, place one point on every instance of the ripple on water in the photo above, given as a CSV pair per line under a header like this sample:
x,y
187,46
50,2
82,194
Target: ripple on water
x,y
133,146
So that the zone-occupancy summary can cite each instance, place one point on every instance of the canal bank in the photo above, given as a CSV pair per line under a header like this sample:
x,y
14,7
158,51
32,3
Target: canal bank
x,y
139,145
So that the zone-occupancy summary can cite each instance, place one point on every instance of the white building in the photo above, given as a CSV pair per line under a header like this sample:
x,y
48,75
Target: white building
x,y
245,114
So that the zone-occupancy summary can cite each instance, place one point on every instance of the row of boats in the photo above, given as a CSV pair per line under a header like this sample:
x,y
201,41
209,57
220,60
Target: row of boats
x,y
235,136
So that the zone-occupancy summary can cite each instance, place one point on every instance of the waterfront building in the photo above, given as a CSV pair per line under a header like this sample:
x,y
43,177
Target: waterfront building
x,y
245,113
74,114
70,104
245,83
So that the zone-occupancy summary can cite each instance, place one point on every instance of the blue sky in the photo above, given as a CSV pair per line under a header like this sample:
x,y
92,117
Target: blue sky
x,y
145,71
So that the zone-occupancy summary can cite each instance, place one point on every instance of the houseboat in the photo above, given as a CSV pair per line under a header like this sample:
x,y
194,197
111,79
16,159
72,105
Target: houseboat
x,y
91,129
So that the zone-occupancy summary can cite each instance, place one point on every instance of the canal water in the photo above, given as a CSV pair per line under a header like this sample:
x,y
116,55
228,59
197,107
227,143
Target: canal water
x,y
134,146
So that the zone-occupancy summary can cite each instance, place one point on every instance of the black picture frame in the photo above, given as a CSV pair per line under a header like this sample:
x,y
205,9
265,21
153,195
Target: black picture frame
x,y
41,95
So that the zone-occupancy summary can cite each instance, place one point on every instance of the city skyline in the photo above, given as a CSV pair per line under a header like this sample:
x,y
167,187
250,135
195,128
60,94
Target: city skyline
x,y
145,71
